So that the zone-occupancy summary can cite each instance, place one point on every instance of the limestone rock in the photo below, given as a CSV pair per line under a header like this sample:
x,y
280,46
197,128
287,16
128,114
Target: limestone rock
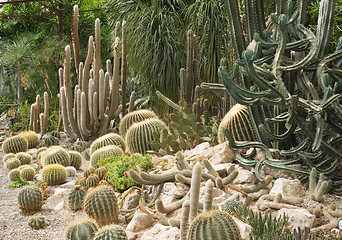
x,y
219,195
139,221
132,199
173,191
159,232
291,188
244,176
245,229
298,218
56,201
222,153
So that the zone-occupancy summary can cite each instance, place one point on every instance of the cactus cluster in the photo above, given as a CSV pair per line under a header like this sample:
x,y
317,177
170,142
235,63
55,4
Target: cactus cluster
x,y
56,155
101,205
39,121
54,174
12,163
36,221
108,139
30,199
31,137
15,144
84,229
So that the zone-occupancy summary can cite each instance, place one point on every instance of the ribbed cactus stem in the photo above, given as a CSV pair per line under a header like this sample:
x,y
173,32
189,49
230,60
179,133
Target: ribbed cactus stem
x,y
87,63
66,123
312,181
97,59
208,195
101,94
171,207
96,110
184,226
195,190
38,102
210,168
42,123
109,71
182,78
91,86
83,114
168,101
32,118
75,38
131,102
46,111
123,68
80,75
115,79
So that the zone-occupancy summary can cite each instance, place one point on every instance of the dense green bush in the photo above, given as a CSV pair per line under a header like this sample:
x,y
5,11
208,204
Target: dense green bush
x,y
119,165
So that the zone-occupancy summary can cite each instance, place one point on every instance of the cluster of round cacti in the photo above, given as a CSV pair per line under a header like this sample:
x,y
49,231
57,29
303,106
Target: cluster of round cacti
x,y
92,177
18,166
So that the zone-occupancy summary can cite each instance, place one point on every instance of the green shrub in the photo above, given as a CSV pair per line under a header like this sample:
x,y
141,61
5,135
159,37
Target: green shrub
x,y
119,165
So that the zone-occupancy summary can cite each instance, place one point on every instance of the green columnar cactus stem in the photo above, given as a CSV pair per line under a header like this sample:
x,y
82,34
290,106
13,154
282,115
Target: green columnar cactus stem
x,y
284,199
210,168
42,122
56,155
75,39
36,221
97,54
46,112
140,134
183,83
67,128
32,117
106,140
24,158
31,137
131,102
81,229
106,151
115,79
181,163
230,178
194,190
123,68
184,225
265,205
54,174
159,178
171,207
15,144
12,163
27,173
214,225
168,101
30,199
76,198
75,159
111,232
312,181
14,174
38,104
264,183
180,178
208,196
101,205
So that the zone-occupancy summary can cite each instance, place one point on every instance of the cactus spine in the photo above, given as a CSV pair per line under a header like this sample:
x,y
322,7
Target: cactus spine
x,y
101,205
36,221
54,174
15,144
111,232
81,229
30,199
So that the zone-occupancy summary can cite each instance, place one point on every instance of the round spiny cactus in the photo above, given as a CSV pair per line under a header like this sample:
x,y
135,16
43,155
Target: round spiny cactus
x,y
106,140
133,117
24,158
27,173
81,181
140,134
86,154
36,221
101,172
12,163
238,123
81,229
107,151
55,134
92,180
114,232
75,159
88,171
82,144
14,174
101,205
214,225
31,137
8,156
15,144
51,141
23,166
30,199
76,148
76,198
56,155
54,174
71,171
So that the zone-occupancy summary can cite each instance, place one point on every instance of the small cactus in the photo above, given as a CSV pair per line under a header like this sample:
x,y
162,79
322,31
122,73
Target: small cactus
x,y
82,144
108,139
12,163
81,181
31,137
101,205
75,159
24,158
55,134
30,199
140,134
107,151
88,171
14,174
133,117
214,225
8,156
15,144
71,171
76,198
111,232
101,172
81,229
92,180
86,154
56,155
27,173
36,221
76,148
54,174
51,141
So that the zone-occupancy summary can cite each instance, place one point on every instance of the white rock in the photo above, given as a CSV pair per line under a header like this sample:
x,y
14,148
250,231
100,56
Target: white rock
x,y
245,229
161,232
132,199
222,153
139,221
56,201
298,218
220,169
173,191
131,235
219,196
70,184
291,188
244,176
201,149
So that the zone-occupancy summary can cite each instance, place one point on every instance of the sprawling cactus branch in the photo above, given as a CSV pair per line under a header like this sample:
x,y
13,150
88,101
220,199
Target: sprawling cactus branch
x,y
96,96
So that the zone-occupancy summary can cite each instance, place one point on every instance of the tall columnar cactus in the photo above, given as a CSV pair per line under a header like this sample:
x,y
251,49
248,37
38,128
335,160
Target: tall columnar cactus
x,y
214,225
54,174
56,155
96,99
31,137
108,139
111,232
107,151
101,205
194,191
15,144
84,229
39,121
133,117
140,135
76,198
30,199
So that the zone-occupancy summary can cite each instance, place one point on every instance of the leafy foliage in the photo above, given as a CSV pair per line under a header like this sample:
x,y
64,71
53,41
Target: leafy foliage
x,y
119,165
